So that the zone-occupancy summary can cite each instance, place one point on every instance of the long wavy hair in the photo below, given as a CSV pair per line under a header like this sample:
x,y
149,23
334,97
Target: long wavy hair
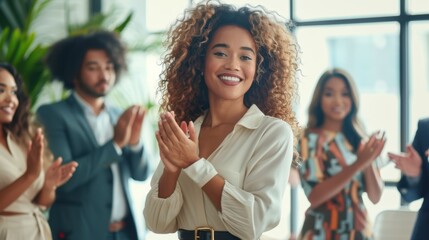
x,y
20,125
352,127
182,84
23,125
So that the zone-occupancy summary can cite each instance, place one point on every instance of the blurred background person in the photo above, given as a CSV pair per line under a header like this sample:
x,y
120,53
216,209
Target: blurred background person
x,y
28,177
414,183
338,162
104,140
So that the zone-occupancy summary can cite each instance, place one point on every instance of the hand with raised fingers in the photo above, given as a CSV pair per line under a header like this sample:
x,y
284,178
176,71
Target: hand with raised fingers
x,y
168,164
58,174
136,128
35,155
175,143
409,162
370,150
123,128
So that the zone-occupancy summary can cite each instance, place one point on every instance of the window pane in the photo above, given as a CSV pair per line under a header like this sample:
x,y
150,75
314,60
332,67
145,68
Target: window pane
x,y
418,6
160,14
419,73
50,25
370,54
335,9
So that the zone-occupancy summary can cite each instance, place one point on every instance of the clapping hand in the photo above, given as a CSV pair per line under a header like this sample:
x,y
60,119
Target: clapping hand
x,y
128,128
371,149
58,174
409,162
177,150
137,126
35,155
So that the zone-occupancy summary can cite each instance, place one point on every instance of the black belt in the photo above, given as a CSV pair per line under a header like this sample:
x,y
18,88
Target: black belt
x,y
205,234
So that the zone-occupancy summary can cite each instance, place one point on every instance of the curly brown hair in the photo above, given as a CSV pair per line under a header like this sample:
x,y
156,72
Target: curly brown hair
x,y
182,84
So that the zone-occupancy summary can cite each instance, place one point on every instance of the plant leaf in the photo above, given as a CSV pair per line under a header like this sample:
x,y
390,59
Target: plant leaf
x,y
124,24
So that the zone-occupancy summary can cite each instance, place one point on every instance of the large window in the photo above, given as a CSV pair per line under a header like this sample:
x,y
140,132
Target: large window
x,y
369,53
370,41
419,73
311,10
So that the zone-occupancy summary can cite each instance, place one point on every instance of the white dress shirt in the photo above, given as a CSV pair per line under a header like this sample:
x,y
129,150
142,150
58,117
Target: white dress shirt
x,y
103,130
254,159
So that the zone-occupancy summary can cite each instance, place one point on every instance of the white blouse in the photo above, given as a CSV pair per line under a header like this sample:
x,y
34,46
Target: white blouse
x,y
254,159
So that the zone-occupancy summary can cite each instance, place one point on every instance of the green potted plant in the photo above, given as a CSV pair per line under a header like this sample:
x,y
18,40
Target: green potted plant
x,y
19,47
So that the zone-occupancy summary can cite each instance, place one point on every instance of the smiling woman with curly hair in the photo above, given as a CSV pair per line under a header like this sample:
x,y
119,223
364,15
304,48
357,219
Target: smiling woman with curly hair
x,y
182,82
226,134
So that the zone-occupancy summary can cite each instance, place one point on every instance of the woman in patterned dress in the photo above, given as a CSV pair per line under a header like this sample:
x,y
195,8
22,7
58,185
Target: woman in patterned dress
x,y
338,162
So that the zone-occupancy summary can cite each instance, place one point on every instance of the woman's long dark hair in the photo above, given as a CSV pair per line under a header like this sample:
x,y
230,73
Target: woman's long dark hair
x,y
20,125
352,127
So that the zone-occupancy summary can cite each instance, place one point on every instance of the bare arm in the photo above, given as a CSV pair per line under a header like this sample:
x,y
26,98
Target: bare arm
x,y
330,187
373,183
55,176
46,196
214,189
34,166
168,180
14,190
167,183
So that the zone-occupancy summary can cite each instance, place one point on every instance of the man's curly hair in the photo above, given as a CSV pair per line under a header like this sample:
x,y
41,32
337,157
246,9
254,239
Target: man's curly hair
x,y
65,57
182,83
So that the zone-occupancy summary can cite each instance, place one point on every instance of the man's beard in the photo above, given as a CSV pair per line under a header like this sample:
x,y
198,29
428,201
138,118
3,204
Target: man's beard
x,y
88,90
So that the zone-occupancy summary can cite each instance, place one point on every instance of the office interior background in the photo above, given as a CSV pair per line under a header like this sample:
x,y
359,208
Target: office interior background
x,y
384,44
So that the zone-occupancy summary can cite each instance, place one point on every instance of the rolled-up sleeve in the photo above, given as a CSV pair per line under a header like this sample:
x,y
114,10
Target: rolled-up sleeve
x,y
161,213
250,211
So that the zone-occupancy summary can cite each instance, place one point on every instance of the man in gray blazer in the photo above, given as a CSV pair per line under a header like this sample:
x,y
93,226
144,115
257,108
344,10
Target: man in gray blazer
x,y
95,203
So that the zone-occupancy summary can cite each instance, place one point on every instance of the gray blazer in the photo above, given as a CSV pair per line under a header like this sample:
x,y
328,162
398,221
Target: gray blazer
x,y
83,205
420,190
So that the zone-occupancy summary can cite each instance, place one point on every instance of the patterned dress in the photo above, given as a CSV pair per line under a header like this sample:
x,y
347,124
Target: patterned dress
x,y
344,216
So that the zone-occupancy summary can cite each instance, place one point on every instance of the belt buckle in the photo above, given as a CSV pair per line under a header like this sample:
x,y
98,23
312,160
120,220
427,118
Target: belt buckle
x,y
197,229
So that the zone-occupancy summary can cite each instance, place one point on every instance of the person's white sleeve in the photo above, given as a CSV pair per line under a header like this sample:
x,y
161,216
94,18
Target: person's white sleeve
x,y
160,213
256,208
117,148
201,172
136,147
